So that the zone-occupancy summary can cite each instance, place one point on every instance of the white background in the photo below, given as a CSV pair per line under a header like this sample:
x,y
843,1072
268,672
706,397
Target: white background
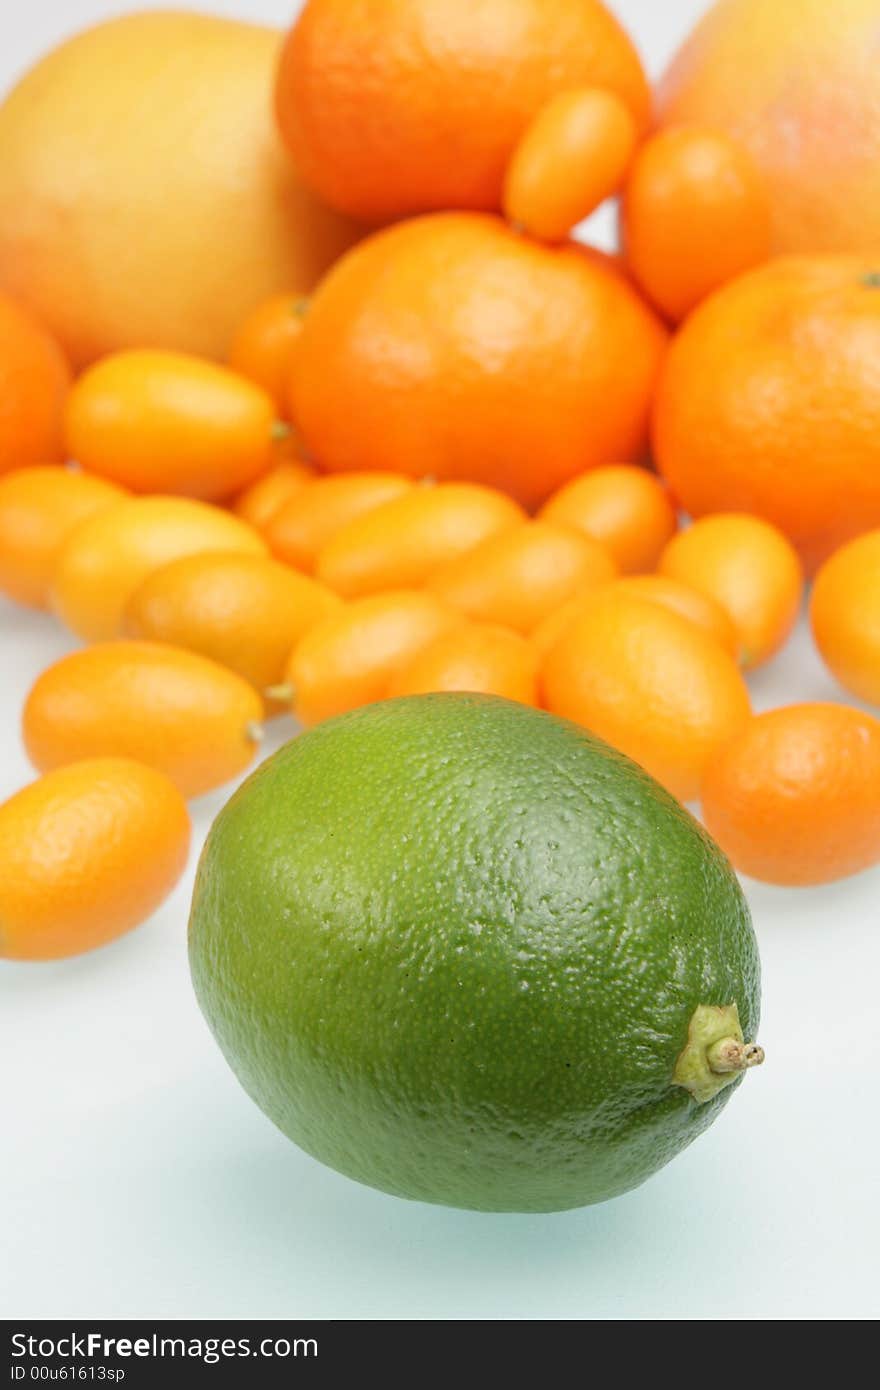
x,y
136,1179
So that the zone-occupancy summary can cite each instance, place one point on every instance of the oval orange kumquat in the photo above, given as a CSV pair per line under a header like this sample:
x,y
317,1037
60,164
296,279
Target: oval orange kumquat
x,y
521,575
262,349
260,502
316,513
166,422
845,616
350,658
87,853
695,215
623,507
794,798
178,712
750,569
405,542
573,155
243,611
106,557
480,657
650,683
39,507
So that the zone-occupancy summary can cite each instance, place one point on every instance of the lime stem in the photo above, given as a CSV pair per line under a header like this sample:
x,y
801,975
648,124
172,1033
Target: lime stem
x,y
730,1054
715,1054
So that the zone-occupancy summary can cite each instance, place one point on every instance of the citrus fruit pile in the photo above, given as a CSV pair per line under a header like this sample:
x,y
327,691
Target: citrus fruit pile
x,y
313,404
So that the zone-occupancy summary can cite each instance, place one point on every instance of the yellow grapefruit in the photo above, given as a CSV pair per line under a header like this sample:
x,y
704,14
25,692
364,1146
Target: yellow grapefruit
x,y
145,199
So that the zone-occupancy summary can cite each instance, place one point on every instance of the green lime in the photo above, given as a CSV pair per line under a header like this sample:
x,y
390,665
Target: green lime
x,y
464,952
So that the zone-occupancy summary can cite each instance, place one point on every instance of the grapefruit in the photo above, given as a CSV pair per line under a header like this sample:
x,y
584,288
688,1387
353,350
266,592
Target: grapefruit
x,y
795,81
145,199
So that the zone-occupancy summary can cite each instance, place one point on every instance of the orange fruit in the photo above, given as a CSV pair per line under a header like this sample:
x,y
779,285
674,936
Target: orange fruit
x,y
649,683
767,402
87,853
480,657
165,422
350,658
518,577
243,611
38,508
403,543
573,155
302,526
189,717
186,212
415,105
450,347
795,82
845,616
750,569
794,798
34,381
626,509
260,501
105,558
695,215
262,349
